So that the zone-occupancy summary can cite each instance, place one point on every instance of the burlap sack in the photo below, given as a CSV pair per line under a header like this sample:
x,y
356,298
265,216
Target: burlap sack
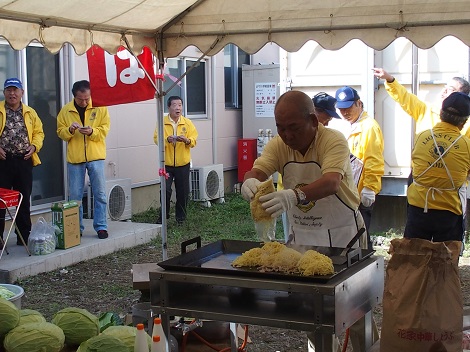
x,y
422,301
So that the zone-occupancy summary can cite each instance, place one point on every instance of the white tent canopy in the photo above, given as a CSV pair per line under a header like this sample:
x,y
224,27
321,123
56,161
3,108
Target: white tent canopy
x,y
169,26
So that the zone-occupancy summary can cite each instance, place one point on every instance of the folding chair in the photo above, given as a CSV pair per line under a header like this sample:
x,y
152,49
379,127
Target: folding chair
x,y
9,199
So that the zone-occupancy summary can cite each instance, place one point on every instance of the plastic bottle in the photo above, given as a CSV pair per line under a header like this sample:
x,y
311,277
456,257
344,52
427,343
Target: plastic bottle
x,y
158,331
269,134
140,343
260,142
157,344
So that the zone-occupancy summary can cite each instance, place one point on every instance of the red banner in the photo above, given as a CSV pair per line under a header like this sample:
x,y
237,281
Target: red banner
x,y
119,79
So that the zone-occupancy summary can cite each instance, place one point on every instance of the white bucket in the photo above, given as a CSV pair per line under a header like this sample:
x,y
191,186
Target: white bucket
x,y
18,291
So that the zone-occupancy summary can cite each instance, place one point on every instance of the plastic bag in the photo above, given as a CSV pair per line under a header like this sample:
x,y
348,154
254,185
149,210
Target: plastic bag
x,y
266,230
265,226
42,239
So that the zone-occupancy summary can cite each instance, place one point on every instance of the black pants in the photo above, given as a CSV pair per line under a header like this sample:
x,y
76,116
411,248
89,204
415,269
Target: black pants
x,y
17,174
179,175
435,225
366,213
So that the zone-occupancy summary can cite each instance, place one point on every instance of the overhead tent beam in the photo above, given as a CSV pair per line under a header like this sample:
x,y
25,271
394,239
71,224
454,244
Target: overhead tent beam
x,y
178,18
48,23
395,26
154,33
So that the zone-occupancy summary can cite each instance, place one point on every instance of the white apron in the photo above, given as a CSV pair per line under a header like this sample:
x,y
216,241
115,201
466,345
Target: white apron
x,y
328,222
431,190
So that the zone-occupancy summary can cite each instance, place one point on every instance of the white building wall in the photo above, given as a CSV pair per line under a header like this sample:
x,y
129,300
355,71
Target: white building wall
x,y
132,153
313,69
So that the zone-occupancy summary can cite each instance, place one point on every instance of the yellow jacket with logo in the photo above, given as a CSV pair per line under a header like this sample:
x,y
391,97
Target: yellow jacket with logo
x,y
33,126
433,187
81,148
425,115
366,143
178,154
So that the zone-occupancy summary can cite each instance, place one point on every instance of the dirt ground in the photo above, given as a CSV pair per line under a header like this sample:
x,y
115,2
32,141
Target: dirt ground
x,y
105,285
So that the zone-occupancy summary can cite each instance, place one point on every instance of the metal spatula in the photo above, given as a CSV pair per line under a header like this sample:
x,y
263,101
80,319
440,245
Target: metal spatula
x,y
343,258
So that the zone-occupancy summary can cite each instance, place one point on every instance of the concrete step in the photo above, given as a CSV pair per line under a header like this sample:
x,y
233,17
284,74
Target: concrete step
x,y
122,234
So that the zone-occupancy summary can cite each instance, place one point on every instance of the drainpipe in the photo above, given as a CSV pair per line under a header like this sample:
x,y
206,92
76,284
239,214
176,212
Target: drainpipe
x,y
213,92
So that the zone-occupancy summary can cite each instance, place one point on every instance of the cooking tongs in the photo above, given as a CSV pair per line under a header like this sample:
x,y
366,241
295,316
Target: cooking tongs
x,y
347,253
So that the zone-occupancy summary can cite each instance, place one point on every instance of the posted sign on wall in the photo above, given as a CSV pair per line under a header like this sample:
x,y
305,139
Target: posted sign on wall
x,y
265,99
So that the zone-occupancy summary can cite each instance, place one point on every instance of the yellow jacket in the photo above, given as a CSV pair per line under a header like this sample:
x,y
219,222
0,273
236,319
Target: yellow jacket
x,y
425,115
33,125
366,143
180,153
434,188
81,148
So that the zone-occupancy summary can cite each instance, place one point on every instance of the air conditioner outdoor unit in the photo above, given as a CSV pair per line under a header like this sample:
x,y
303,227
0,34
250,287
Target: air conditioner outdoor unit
x,y
207,184
118,194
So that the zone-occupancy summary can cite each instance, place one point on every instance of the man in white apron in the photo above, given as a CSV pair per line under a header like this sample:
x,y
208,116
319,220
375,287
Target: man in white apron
x,y
440,164
319,193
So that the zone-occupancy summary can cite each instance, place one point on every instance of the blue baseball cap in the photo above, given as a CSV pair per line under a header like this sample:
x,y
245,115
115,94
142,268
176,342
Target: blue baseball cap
x,y
326,102
345,97
13,82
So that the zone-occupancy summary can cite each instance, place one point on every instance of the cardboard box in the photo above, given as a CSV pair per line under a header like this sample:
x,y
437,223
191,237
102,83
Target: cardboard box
x,y
65,215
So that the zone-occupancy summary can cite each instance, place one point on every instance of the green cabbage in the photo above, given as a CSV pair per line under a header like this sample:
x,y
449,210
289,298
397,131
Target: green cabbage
x,y
30,316
6,293
9,316
35,337
103,343
126,334
78,325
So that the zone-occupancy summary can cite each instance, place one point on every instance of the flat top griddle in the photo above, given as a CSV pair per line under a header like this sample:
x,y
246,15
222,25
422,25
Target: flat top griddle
x,y
217,257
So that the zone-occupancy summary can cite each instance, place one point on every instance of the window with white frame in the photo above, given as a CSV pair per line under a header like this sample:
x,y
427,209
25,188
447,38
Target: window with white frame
x,y
234,58
39,71
192,88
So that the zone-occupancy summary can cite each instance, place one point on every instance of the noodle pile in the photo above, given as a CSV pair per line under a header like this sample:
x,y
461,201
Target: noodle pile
x,y
314,263
275,256
257,211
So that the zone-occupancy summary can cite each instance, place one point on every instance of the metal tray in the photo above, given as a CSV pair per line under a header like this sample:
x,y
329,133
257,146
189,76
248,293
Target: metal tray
x,y
217,257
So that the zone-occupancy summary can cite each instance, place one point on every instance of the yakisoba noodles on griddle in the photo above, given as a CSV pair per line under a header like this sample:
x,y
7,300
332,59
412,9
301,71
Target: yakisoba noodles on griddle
x,y
275,256
315,263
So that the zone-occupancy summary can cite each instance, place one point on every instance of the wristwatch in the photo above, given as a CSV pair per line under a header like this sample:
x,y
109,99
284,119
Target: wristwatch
x,y
301,197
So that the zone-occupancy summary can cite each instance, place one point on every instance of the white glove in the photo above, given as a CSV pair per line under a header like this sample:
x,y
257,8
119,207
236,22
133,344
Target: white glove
x,y
276,203
249,188
367,197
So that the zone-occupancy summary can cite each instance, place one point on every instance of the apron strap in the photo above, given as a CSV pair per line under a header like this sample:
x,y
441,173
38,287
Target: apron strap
x,y
432,190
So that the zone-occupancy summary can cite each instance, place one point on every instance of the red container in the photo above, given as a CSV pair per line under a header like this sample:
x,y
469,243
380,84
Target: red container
x,y
10,198
246,156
